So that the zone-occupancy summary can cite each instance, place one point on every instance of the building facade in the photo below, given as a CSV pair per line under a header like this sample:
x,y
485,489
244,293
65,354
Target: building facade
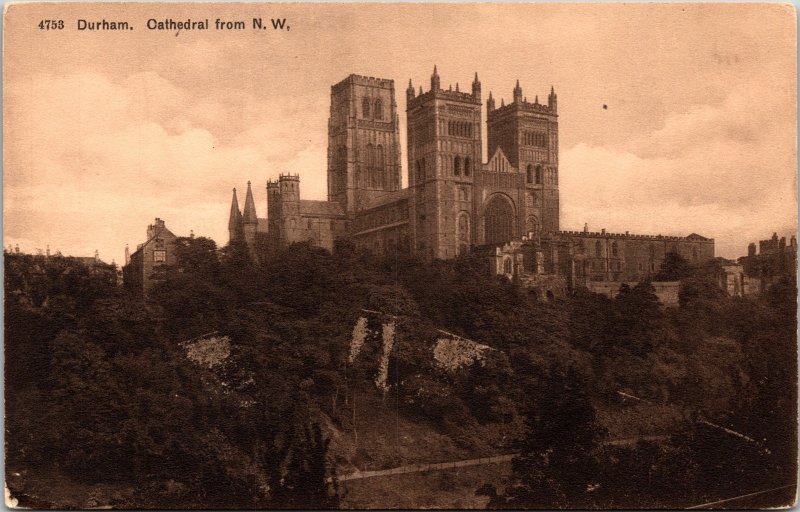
x,y
455,202
143,268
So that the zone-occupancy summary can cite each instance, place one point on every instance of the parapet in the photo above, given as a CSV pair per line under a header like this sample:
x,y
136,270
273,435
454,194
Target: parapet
x,y
603,234
289,177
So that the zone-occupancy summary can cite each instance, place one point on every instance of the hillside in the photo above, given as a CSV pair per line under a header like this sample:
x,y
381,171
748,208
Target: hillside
x,y
266,380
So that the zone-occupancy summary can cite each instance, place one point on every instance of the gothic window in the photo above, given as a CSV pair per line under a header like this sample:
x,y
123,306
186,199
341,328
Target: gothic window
x,y
598,249
533,225
467,167
365,107
498,220
614,248
507,266
538,174
457,166
378,109
529,174
463,233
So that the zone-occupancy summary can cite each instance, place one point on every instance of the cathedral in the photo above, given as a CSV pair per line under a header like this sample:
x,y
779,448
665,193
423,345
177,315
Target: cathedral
x,y
506,208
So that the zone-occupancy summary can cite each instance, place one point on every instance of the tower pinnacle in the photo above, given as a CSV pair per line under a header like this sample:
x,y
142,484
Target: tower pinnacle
x,y
435,79
517,93
249,216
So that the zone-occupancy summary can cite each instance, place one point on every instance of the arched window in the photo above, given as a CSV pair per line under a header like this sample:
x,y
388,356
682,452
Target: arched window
x,y
467,166
463,233
457,166
529,174
598,249
365,107
498,220
538,174
614,248
507,266
378,109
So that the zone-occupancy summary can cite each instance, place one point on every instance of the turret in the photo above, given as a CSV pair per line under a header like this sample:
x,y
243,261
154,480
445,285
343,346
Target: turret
x,y
476,87
235,219
517,93
435,83
490,103
552,100
289,186
410,91
127,255
751,249
273,210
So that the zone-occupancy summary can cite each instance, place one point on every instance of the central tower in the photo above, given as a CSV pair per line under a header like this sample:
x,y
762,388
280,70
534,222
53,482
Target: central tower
x,y
444,151
363,142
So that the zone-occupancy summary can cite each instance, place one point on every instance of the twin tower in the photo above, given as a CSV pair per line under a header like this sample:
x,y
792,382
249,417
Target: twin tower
x,y
454,200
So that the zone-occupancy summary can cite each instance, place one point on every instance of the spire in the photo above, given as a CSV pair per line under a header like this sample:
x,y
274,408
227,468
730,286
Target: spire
x,y
457,87
249,216
410,91
435,79
552,99
517,93
236,215
490,102
420,90
536,100
502,102
476,87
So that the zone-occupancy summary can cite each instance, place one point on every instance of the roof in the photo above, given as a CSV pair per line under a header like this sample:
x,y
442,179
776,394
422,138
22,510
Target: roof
x,y
326,208
390,197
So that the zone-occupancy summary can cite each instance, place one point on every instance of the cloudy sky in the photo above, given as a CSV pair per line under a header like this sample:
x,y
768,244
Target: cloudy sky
x,y
104,131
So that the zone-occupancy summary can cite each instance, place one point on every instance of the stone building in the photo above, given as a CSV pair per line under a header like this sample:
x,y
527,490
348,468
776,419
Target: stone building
x,y
455,202
143,267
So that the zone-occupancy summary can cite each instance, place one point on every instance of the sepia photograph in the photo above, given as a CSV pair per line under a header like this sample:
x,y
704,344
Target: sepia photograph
x,y
400,255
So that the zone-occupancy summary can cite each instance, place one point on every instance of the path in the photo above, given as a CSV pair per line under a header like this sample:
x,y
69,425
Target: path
x,y
438,466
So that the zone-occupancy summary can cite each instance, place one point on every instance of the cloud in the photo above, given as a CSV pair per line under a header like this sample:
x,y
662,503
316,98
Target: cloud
x,y
712,169
100,166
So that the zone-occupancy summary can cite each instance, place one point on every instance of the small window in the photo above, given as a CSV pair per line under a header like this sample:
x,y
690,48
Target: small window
x,y
529,174
598,249
538,174
378,109
457,166
159,256
694,253
507,265
365,107
310,225
467,166
614,249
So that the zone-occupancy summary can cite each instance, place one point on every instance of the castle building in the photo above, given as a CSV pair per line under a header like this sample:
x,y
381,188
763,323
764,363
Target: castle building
x,y
507,207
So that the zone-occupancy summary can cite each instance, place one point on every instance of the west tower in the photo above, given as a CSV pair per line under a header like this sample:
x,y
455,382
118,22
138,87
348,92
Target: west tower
x,y
527,132
444,151
363,142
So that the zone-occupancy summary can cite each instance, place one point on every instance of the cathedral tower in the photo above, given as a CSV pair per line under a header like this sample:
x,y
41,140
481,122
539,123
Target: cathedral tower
x,y
363,142
444,150
528,135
